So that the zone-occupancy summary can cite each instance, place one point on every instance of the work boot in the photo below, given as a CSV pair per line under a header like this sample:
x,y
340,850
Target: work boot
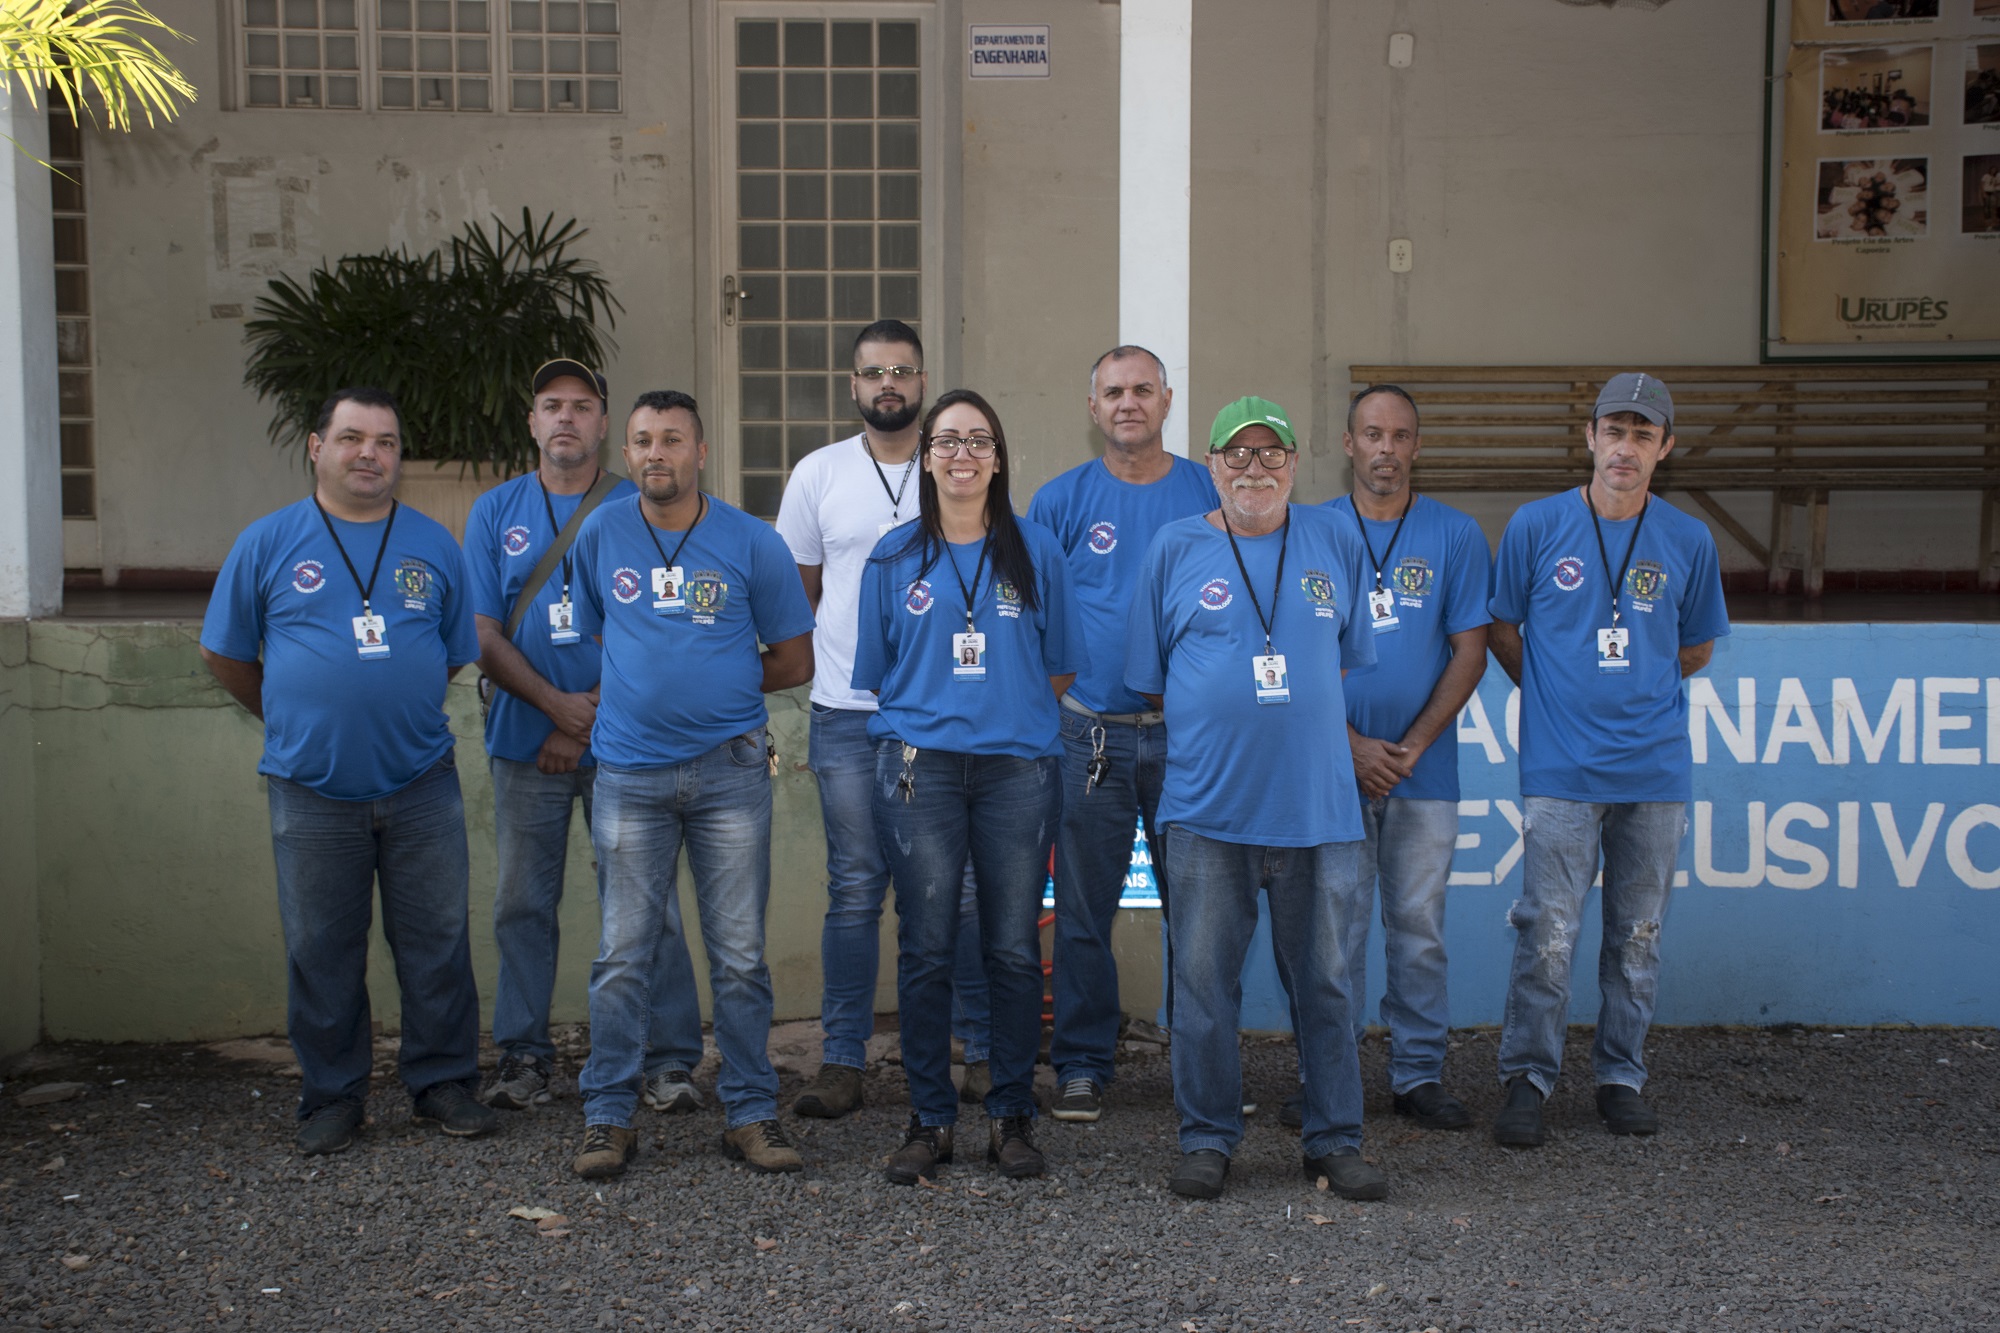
x,y
455,1111
925,1148
520,1082
1200,1174
607,1150
330,1128
1433,1108
835,1091
1081,1100
1519,1124
1012,1148
1347,1175
762,1146
1625,1111
1292,1115
978,1082
672,1092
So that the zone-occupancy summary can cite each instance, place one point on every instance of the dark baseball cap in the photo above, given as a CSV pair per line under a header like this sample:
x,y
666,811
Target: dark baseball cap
x,y
1636,391
561,366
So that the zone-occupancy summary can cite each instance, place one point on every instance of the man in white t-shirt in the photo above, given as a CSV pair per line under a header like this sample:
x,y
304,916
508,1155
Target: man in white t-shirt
x,y
840,501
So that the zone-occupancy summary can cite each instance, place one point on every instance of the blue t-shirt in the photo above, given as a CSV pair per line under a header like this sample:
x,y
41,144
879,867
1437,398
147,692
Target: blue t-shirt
x,y
676,686
1586,734
350,728
1105,526
1275,775
504,540
908,619
1441,576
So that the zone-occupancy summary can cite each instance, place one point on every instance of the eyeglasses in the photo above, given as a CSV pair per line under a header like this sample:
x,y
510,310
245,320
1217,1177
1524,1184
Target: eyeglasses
x,y
1272,456
874,374
950,446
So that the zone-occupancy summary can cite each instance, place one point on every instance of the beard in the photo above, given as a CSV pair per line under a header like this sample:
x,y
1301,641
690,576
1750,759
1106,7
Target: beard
x,y
890,420
660,488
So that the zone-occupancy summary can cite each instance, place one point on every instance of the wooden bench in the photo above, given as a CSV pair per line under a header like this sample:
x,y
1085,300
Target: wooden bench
x,y
1800,432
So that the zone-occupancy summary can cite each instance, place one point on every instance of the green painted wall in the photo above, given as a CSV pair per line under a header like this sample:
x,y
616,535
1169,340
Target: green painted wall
x,y
150,842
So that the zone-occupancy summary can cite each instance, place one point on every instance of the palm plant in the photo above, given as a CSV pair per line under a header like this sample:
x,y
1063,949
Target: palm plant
x,y
94,55
455,334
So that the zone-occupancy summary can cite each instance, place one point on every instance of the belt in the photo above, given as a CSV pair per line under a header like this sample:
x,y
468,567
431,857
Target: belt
x,y
1152,719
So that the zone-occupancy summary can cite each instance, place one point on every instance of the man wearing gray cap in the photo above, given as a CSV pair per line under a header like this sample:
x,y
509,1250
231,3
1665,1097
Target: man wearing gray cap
x,y
1604,600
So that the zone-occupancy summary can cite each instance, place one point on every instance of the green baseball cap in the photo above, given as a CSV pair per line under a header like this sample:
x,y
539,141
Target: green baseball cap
x,y
1250,412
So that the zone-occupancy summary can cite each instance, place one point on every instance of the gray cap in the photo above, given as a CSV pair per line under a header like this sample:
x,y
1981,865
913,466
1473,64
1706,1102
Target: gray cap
x,y
1636,391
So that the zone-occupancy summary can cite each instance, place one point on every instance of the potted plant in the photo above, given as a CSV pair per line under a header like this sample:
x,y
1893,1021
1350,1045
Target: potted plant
x,y
455,334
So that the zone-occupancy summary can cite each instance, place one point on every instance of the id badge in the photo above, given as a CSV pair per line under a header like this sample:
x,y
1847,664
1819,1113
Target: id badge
x,y
669,591
562,623
1273,686
884,529
1382,610
371,636
968,656
1611,649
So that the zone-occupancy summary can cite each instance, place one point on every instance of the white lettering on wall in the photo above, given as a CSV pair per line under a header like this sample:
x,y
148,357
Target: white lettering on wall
x,y
1795,724
1704,849
1847,872
1937,722
1956,854
1908,863
1850,722
1779,843
1705,705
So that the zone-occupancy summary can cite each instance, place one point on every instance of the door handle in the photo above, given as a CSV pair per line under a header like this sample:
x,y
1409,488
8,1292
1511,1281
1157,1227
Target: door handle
x,y
731,294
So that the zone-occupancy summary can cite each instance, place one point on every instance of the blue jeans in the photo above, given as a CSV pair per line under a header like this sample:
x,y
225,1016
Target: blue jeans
x,y
330,856
1406,852
1639,841
531,812
842,759
719,805
1002,812
1312,892
1093,856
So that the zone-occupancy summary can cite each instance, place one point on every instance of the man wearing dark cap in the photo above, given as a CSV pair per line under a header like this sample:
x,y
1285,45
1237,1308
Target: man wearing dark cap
x,y
1604,601
538,739
1243,621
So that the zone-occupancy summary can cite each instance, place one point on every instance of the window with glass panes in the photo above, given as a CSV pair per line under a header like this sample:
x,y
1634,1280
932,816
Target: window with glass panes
x,y
562,55
434,55
829,225
73,340
302,53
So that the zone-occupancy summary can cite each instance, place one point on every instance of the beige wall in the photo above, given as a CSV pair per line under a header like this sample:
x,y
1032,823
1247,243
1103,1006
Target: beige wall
x,y
20,924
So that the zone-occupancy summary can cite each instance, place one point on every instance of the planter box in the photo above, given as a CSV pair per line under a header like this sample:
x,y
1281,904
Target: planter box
x,y
445,491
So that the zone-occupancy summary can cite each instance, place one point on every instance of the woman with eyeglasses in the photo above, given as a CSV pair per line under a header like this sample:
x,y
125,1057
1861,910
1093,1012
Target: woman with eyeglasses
x,y
969,635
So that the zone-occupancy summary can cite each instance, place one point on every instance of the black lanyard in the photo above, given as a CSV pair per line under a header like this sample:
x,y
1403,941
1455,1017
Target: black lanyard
x,y
978,574
665,559
1277,584
1606,558
895,496
1388,550
555,528
368,588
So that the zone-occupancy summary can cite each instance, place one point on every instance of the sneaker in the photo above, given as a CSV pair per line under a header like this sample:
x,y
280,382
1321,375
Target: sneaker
x,y
1347,1175
834,1091
672,1091
607,1151
1011,1147
1200,1174
520,1082
925,1148
1433,1108
1519,1124
978,1082
455,1111
1292,1115
330,1128
1625,1111
1081,1099
762,1146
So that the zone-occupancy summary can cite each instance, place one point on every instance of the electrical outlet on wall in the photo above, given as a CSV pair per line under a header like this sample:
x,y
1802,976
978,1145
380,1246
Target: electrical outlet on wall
x,y
1402,257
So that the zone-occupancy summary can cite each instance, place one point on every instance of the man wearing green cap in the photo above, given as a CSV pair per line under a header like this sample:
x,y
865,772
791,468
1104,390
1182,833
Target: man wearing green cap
x,y
1242,623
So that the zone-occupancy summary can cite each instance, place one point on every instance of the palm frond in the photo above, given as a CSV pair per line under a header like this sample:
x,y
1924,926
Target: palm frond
x,y
94,54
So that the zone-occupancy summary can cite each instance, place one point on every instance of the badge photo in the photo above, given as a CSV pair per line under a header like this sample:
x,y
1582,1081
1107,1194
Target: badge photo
x,y
1612,646
371,636
669,590
968,656
562,622
1382,610
1273,685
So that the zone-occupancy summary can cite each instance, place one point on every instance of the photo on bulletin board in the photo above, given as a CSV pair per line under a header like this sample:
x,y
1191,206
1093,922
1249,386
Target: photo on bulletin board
x,y
1981,209
1982,84
1867,197
1875,88
1877,11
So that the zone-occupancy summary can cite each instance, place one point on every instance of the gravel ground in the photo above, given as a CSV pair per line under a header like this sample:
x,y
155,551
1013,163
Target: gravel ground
x,y
1805,1179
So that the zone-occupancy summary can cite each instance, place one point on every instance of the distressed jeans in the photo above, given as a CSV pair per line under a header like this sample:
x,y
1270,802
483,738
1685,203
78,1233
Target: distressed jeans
x,y
1093,856
531,814
1406,856
842,759
331,855
1002,812
1639,842
717,805
1312,891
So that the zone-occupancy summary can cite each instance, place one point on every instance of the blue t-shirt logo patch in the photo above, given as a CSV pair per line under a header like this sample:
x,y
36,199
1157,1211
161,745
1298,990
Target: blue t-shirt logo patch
x,y
1414,577
920,599
706,594
625,584
1645,583
308,576
414,581
1569,573
1320,591
1104,538
514,541
1215,595
1007,599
